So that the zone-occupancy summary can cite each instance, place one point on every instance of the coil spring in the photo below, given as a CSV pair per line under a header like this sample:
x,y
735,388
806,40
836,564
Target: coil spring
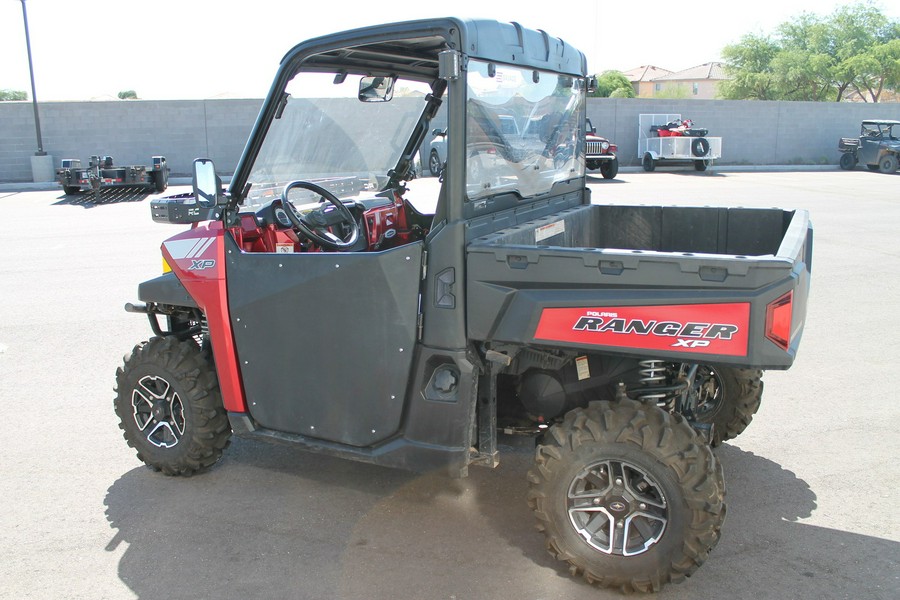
x,y
653,374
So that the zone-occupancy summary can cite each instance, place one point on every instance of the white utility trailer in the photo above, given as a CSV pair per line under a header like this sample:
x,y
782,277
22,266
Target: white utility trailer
x,y
688,146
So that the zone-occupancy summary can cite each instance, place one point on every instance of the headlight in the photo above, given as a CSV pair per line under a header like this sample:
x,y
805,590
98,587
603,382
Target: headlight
x,y
166,267
604,145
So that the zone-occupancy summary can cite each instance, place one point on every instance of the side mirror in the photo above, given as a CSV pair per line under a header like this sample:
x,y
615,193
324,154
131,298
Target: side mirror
x,y
591,84
376,89
439,132
206,183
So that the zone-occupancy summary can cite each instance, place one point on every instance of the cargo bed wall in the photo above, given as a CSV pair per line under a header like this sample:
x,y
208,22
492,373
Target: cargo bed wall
x,y
734,231
593,257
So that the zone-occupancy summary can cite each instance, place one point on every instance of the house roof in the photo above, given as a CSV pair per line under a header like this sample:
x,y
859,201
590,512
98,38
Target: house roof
x,y
645,73
710,70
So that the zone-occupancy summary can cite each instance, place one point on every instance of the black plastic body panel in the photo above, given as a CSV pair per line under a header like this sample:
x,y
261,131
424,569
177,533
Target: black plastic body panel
x,y
165,289
326,340
605,256
181,209
435,434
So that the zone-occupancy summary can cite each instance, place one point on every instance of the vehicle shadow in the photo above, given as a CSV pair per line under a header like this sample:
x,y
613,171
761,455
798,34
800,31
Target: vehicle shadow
x,y
691,172
283,523
104,197
601,179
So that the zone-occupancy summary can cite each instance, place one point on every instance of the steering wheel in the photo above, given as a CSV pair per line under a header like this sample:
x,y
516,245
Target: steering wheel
x,y
315,223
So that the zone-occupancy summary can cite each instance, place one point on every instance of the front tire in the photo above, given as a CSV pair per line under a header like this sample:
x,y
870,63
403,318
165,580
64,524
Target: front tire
x,y
888,163
434,163
160,182
610,169
628,495
170,408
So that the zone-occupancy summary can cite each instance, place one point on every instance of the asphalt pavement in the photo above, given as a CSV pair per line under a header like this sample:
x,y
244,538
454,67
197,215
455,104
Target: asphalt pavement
x,y
812,484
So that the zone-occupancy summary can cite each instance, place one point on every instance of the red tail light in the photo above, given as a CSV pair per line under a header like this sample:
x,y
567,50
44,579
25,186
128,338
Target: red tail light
x,y
778,320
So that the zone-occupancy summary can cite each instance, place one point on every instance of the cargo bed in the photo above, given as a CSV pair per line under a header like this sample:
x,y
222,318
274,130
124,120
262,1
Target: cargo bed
x,y
721,285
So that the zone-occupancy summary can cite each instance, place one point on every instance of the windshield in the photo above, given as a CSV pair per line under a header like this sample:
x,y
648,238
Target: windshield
x,y
877,130
326,135
522,130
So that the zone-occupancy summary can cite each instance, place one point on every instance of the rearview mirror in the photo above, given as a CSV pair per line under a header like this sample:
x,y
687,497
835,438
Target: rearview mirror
x,y
206,183
376,89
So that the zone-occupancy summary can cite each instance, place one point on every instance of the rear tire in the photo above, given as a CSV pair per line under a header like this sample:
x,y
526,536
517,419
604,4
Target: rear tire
x,y
728,400
648,163
632,464
848,161
170,408
71,190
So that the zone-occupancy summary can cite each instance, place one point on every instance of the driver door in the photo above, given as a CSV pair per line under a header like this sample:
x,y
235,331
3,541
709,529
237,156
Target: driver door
x,y
325,341
869,147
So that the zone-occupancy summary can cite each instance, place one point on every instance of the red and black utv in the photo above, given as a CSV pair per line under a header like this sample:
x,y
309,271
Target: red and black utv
x,y
327,301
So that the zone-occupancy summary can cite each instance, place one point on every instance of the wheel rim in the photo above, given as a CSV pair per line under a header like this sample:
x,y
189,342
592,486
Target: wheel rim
x,y
434,163
617,508
158,411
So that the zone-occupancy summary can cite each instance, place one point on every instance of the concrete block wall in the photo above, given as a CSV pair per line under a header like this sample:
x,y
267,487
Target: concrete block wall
x,y
753,133
130,131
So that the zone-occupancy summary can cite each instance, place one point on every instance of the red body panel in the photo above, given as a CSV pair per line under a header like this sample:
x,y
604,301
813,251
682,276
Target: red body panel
x,y
197,258
696,328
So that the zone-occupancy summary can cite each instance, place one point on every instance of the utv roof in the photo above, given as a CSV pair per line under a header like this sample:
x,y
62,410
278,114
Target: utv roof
x,y
880,122
410,48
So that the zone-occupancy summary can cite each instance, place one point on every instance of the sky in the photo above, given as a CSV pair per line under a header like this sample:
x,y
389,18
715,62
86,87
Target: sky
x,y
192,49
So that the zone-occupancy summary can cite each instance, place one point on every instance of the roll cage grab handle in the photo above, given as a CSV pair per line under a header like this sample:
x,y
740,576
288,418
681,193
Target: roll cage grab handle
x,y
420,131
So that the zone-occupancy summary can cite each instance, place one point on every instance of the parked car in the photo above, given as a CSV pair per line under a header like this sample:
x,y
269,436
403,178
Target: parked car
x,y
600,153
437,155
877,147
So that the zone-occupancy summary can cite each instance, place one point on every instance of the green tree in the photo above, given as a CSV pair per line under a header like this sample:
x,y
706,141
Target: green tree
x,y
128,95
749,64
613,84
6,95
856,48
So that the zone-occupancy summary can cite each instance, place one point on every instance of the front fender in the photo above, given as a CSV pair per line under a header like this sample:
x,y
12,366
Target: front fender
x,y
166,289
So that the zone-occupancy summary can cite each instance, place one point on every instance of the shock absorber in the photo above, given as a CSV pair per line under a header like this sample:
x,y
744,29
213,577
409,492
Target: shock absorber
x,y
652,377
